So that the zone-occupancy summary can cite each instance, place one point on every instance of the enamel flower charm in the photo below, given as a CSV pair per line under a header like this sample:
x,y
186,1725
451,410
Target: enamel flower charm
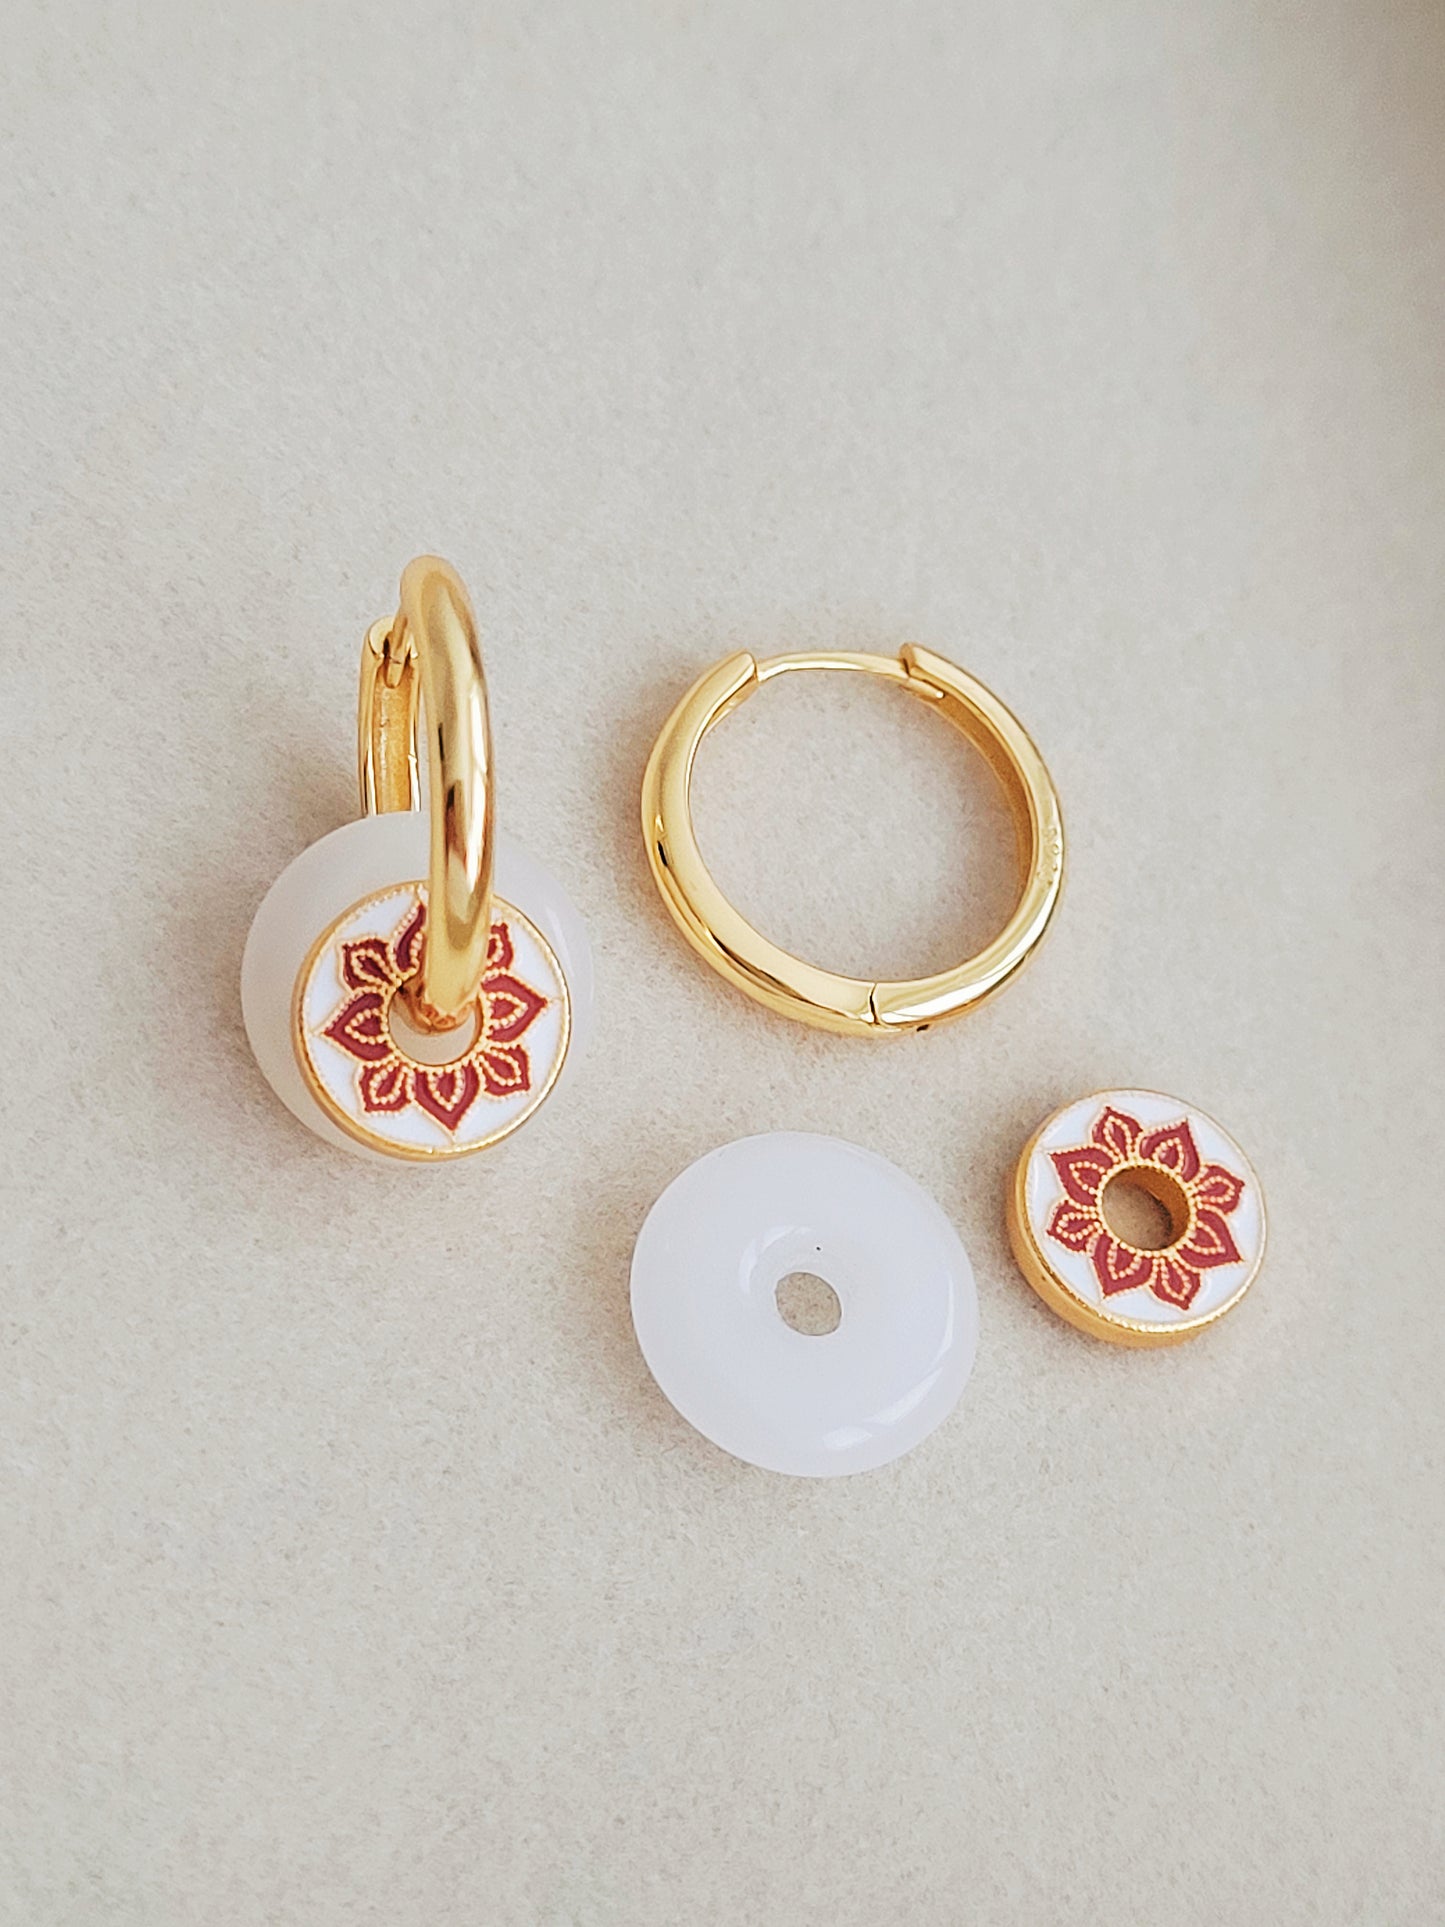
x,y
1064,1230
374,969
1120,1143
392,1085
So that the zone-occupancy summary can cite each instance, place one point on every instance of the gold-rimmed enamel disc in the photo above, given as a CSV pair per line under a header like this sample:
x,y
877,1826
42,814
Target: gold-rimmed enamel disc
x,y
1069,1250
378,1080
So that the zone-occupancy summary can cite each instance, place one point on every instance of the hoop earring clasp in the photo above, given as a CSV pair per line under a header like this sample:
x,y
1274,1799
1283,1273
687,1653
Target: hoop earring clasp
x,y
784,983
429,656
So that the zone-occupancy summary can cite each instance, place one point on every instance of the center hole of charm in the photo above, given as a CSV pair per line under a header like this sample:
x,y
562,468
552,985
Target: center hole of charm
x,y
808,1304
434,1047
1145,1207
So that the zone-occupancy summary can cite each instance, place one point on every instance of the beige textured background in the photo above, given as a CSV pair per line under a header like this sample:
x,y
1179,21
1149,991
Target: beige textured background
x,y
353,1569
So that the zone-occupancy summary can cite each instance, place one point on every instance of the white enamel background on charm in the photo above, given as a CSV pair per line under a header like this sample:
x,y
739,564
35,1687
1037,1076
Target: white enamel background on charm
x,y
705,1272
365,856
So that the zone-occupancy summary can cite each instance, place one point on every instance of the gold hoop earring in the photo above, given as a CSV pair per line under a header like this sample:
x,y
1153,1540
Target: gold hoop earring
x,y
394,1002
770,975
430,648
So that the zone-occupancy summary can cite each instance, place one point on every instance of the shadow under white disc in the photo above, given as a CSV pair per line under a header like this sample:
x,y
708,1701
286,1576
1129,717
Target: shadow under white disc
x,y
705,1272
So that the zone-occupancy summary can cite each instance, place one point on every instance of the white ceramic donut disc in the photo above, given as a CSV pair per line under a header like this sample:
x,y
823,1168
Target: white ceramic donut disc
x,y
705,1272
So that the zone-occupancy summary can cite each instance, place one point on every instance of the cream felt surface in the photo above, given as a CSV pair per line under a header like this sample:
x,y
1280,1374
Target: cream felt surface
x,y
355,1570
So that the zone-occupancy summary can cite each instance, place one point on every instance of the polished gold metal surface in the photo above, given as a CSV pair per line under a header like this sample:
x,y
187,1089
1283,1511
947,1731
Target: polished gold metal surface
x,y
388,710
787,984
429,657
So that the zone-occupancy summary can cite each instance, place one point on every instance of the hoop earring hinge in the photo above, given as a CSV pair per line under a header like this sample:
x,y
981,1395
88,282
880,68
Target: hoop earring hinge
x,y
386,720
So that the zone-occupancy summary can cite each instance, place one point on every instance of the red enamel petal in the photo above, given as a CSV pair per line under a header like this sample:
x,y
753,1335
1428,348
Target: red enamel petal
x,y
1174,1148
1174,1282
1210,1243
1073,1227
406,944
1218,1187
360,1028
1083,1171
499,949
505,1070
447,1092
1118,1267
385,1087
512,1007
1117,1132
366,964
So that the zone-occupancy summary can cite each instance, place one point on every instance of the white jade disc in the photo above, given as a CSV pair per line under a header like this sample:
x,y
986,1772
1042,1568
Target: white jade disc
x,y
360,876
705,1272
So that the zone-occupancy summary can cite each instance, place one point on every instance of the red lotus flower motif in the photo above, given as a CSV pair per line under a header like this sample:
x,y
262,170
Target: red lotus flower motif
x,y
1117,1143
374,969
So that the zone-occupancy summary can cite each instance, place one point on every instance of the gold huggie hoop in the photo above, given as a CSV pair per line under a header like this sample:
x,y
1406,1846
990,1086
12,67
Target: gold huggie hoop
x,y
785,983
430,650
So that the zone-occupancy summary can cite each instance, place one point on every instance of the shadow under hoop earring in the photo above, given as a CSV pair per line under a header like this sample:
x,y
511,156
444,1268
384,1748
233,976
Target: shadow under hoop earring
x,y
784,983
394,1002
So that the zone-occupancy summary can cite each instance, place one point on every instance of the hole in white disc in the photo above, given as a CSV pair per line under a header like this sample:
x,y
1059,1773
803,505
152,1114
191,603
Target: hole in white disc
x,y
432,1046
1146,1208
808,1304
